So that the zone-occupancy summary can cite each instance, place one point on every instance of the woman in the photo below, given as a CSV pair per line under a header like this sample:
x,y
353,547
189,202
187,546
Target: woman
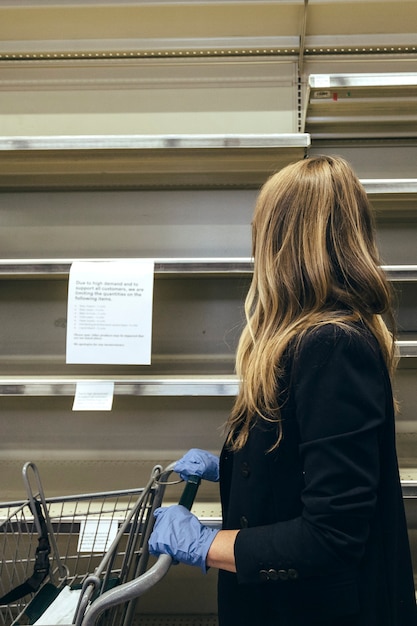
x,y
314,531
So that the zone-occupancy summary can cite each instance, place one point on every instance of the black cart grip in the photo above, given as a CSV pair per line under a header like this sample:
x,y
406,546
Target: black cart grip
x,y
190,491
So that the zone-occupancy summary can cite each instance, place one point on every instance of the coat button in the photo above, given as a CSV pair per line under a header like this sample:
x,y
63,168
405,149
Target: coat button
x,y
292,574
283,574
263,574
244,522
273,574
245,469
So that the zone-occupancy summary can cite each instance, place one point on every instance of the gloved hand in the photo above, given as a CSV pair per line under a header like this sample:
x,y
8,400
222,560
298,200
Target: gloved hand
x,y
178,533
200,463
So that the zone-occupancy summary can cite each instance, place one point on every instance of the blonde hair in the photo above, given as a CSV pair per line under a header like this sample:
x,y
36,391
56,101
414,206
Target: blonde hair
x,y
315,262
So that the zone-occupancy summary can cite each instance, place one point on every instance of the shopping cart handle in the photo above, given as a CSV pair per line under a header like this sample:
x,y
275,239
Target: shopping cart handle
x,y
128,591
190,491
138,586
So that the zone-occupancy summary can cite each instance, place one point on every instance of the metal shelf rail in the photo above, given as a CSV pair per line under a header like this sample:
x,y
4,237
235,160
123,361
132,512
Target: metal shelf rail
x,y
59,268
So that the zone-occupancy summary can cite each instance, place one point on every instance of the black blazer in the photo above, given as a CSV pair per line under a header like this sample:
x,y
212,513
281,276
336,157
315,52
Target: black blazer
x,y
323,535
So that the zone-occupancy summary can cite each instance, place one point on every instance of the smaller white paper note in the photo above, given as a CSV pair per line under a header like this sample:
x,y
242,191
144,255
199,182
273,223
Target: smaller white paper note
x,y
93,396
96,535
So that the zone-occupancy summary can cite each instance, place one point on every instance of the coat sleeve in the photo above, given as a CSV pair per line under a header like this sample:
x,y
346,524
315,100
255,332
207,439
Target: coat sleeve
x,y
340,402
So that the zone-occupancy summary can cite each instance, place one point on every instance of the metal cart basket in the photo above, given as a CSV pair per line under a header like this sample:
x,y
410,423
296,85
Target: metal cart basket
x,y
19,543
66,553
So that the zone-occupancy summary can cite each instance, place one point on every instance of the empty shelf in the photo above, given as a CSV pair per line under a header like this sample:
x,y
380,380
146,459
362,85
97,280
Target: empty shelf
x,y
151,385
145,161
362,106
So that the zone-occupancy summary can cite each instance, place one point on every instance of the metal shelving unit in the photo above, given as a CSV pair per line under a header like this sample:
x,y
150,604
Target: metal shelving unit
x,y
103,80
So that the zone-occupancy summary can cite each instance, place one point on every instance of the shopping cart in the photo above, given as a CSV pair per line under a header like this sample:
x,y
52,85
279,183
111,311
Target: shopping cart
x,y
72,552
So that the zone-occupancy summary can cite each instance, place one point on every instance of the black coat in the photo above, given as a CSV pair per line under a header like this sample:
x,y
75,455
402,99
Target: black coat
x,y
324,538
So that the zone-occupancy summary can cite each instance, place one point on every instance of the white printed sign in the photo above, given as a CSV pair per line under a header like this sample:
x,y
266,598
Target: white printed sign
x,y
109,317
96,535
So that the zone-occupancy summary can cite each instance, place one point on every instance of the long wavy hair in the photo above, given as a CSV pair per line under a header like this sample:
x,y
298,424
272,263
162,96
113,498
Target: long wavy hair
x,y
315,262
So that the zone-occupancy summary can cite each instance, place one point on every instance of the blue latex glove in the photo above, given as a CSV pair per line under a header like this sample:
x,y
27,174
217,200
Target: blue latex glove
x,y
198,463
178,533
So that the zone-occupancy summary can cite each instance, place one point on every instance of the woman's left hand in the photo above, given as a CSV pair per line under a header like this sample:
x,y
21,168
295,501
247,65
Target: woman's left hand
x,y
179,533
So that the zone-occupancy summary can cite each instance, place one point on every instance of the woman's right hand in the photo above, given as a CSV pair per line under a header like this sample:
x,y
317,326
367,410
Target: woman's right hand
x,y
200,463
